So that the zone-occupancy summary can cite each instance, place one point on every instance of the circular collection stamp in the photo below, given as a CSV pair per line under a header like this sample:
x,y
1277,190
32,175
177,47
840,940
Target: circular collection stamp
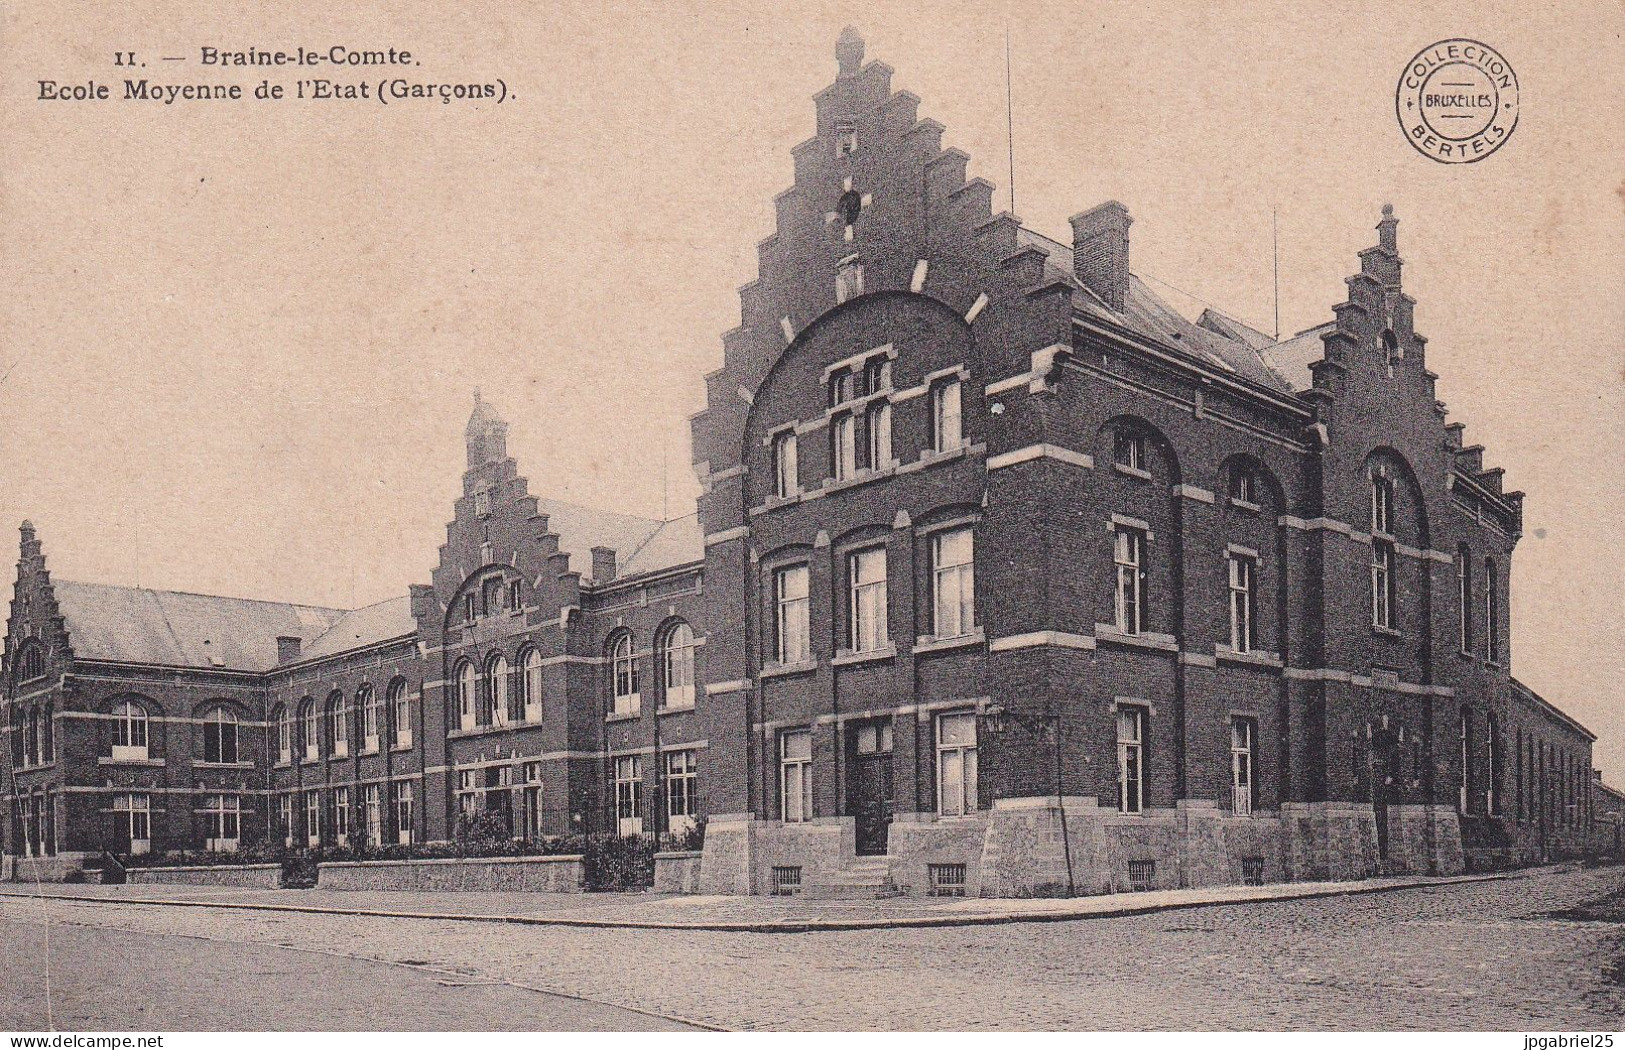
x,y
1457,101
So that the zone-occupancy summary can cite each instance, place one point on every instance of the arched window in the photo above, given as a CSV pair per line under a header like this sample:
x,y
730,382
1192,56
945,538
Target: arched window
x,y
467,685
677,665
32,756
130,731
1464,596
1382,553
530,685
219,735
48,733
338,726
30,663
311,727
1492,612
1243,485
624,676
1465,788
496,690
400,713
491,594
372,716
284,734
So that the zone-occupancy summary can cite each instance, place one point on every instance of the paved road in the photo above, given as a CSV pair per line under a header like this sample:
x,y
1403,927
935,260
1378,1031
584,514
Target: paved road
x,y
1473,955
106,979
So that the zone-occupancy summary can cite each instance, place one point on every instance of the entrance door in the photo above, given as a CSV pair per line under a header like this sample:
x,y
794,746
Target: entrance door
x,y
868,782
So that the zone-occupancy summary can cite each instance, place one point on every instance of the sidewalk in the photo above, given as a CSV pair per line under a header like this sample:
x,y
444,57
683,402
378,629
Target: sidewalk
x,y
718,913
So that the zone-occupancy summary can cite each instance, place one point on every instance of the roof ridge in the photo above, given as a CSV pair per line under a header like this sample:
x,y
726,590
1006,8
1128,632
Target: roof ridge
x,y
56,580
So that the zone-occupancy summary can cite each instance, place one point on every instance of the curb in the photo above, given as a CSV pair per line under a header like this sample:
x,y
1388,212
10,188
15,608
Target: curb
x,y
814,925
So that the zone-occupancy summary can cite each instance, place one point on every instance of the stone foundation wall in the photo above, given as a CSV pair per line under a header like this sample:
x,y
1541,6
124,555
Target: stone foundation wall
x,y
914,844
254,876
57,868
563,874
677,872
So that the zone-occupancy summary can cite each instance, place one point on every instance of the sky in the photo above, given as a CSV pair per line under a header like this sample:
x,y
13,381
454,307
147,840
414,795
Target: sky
x,y
242,340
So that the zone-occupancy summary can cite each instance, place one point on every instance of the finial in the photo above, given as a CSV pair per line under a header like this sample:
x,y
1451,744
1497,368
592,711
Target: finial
x,y
476,395
27,529
1388,211
849,50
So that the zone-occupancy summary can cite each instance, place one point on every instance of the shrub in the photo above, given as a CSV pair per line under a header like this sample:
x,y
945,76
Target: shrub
x,y
619,862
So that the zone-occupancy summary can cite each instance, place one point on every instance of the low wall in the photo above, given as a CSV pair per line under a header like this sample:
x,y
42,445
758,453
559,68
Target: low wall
x,y
255,876
562,874
677,872
59,867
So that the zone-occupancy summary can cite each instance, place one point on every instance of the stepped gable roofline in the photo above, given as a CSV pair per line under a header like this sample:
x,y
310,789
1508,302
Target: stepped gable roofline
x,y
138,625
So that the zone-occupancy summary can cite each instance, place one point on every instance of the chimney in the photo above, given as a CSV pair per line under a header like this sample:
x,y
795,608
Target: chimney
x,y
287,648
1100,252
603,564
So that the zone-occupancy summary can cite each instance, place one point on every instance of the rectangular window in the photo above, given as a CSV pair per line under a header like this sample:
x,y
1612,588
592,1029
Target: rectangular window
x,y
1131,759
1243,631
284,818
957,791
341,816
1382,507
682,790
786,471
221,822
372,807
220,737
403,813
469,794
878,421
1243,732
629,795
471,606
284,738
369,723
946,429
848,280
866,573
873,737
791,599
313,732
1382,584
1129,553
846,138
531,801
135,814
515,592
1128,449
795,776
313,819
953,583
843,387
1492,614
843,438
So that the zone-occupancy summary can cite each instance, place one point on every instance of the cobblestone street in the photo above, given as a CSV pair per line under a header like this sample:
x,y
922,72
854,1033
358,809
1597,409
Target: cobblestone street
x,y
1483,955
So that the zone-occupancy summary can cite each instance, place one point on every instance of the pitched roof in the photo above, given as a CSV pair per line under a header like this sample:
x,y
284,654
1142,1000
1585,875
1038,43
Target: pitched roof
x,y
640,544
359,628
175,629
1215,339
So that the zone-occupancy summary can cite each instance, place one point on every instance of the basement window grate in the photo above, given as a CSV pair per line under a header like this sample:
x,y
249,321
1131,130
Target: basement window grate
x,y
1142,874
786,881
946,880
1252,871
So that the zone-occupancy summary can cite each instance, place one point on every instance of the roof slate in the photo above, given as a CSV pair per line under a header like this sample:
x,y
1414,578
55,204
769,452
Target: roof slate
x,y
640,544
381,622
175,629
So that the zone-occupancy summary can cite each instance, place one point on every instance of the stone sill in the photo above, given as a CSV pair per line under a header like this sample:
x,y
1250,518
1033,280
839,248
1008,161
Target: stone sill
x,y
222,765
1105,632
846,659
781,670
1254,657
928,644
623,716
1388,632
1241,504
396,748
1133,472
683,710
148,763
